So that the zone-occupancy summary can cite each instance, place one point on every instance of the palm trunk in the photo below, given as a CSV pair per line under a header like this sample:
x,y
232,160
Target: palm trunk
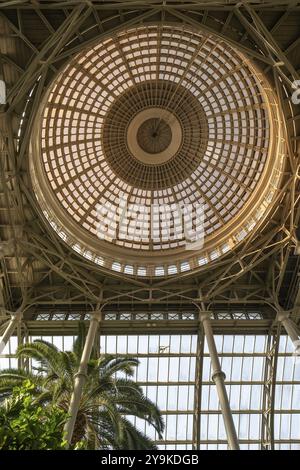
x,y
79,429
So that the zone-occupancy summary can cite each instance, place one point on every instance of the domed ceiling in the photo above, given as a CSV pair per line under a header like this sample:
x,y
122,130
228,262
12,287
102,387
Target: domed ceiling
x,y
157,151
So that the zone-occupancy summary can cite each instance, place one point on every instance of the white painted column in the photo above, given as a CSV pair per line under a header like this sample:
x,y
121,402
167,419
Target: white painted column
x,y
15,319
81,376
291,329
218,377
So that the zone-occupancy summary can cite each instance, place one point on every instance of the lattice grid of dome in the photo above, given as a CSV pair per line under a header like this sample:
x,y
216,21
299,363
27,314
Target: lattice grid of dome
x,y
159,115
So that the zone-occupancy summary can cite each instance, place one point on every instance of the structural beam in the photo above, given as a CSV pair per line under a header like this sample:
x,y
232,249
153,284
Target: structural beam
x,y
219,379
269,389
81,376
246,50
15,319
150,326
198,389
291,329
192,5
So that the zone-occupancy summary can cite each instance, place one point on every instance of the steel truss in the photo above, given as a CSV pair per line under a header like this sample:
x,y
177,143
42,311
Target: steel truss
x,y
267,432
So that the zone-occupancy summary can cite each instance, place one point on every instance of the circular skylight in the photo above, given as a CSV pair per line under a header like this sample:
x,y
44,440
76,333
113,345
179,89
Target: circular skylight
x,y
141,129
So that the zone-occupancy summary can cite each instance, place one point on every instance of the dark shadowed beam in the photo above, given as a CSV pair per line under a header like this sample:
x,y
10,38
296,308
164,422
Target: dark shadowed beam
x,y
270,42
43,58
125,5
246,50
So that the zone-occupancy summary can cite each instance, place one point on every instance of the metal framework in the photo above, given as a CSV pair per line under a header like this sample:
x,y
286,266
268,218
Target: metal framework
x,y
224,151
269,390
41,275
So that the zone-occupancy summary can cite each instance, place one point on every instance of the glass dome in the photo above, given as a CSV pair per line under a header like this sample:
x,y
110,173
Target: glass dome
x,y
143,125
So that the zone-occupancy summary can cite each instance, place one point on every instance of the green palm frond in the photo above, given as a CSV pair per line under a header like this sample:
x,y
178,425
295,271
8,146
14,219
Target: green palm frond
x,y
109,393
110,365
141,409
78,344
47,355
9,378
126,385
69,362
133,438
44,397
11,373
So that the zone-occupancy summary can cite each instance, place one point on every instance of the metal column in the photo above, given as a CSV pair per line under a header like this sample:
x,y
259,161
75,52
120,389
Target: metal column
x,y
81,376
15,319
291,329
198,390
219,380
269,389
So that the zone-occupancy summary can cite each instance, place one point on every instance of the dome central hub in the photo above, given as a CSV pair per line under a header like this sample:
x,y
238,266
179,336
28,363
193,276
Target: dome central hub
x,y
154,135
149,140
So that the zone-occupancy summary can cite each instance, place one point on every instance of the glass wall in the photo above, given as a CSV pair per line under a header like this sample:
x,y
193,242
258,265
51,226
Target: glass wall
x,y
167,374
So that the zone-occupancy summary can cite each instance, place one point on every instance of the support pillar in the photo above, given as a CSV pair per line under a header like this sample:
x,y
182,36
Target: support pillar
x,y
81,376
291,329
15,319
219,380
20,337
198,390
269,389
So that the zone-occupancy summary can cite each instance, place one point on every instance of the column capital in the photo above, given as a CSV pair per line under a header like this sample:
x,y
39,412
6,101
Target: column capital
x,y
96,315
297,347
18,315
282,315
204,314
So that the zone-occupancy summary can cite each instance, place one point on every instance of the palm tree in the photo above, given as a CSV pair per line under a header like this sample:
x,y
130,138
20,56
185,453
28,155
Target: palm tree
x,y
109,396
